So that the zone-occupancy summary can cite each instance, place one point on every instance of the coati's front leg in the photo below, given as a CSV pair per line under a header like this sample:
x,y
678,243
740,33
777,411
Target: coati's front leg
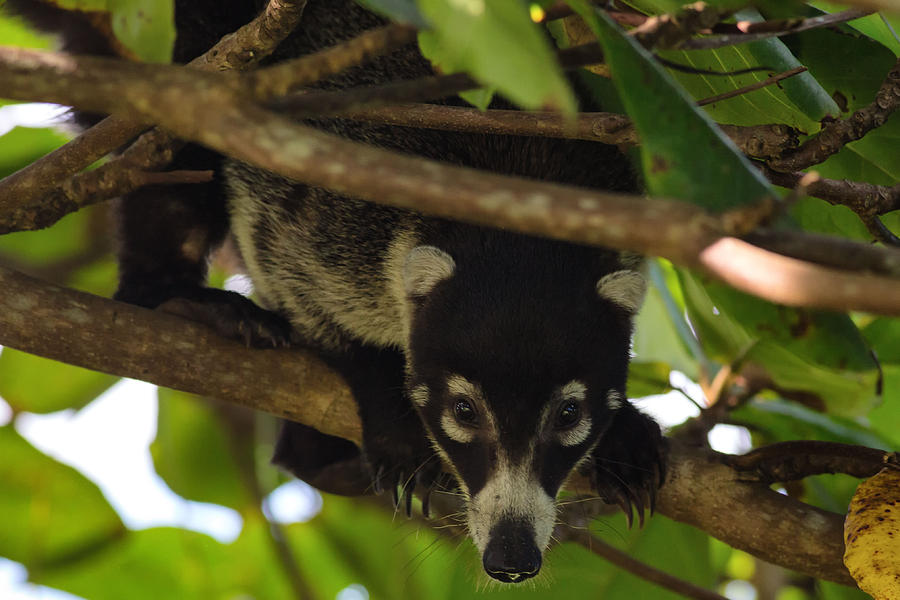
x,y
396,450
166,235
629,462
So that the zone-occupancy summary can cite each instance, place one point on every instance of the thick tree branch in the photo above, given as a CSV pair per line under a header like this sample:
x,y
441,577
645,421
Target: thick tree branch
x,y
129,341
227,121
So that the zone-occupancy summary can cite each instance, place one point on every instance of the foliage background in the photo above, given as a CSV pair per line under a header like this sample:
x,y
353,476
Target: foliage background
x,y
57,523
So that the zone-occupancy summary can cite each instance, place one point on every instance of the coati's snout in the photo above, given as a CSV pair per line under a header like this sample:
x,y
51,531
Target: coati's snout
x,y
511,554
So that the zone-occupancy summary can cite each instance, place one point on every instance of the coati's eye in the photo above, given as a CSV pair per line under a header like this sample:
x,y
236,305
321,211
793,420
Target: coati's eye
x,y
569,414
464,412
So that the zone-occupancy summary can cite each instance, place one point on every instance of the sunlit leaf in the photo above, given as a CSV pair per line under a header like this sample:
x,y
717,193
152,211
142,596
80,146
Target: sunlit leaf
x,y
49,512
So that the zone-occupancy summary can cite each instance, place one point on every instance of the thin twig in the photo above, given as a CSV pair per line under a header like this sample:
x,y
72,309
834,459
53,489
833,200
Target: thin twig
x,y
880,232
795,460
865,199
829,251
836,134
249,44
754,34
752,87
643,570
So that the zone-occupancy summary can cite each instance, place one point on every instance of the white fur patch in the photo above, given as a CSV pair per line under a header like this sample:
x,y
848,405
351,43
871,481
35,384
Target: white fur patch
x,y
456,432
512,492
419,395
457,385
425,267
576,435
615,400
625,288
574,390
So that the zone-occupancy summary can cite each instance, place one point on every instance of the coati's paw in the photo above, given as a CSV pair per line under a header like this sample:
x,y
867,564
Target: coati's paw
x,y
628,465
233,316
402,461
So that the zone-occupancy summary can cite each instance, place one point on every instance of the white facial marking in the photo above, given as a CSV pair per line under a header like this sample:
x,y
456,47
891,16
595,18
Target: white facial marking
x,y
576,435
458,385
614,400
419,395
455,431
425,267
512,492
625,288
574,390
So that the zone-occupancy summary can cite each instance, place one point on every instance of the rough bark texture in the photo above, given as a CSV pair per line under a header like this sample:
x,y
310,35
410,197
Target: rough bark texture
x,y
125,340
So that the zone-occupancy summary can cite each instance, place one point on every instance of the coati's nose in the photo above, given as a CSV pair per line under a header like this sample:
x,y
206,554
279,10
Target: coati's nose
x,y
511,555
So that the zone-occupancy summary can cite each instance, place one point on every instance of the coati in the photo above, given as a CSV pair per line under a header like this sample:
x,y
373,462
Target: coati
x,y
497,357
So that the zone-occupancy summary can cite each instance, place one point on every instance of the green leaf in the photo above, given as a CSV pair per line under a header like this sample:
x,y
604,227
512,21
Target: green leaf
x,y
401,11
683,154
30,383
146,27
148,565
657,340
816,352
874,26
803,89
14,32
50,512
499,45
195,454
21,146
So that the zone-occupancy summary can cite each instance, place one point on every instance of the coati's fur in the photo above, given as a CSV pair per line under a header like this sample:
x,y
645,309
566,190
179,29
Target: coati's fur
x,y
499,357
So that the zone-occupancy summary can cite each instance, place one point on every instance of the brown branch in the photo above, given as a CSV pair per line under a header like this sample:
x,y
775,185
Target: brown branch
x,y
865,199
129,341
792,461
836,134
755,31
758,141
249,44
784,280
830,251
752,87
673,30
642,570
880,232
226,122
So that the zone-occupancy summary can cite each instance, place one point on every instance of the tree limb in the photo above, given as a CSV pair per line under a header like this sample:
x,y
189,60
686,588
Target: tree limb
x,y
836,134
225,120
239,50
130,341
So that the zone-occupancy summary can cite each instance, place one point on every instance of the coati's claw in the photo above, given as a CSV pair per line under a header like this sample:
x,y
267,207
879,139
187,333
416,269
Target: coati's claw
x,y
629,464
231,315
377,486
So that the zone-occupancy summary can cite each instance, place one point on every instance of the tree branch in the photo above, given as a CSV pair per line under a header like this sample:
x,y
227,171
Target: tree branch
x,y
249,44
225,120
130,341
836,134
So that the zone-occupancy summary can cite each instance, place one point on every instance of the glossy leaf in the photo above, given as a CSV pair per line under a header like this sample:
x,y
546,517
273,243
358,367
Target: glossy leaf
x,y
40,385
195,454
499,45
50,512
815,352
683,154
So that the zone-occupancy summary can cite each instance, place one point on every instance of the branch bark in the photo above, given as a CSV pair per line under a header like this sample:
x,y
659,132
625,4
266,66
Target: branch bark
x,y
239,50
226,120
130,341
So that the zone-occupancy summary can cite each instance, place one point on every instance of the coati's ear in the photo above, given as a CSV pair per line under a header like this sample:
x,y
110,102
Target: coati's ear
x,y
625,288
425,267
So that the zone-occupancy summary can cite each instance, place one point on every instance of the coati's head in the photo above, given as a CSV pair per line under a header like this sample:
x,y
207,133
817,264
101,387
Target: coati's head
x,y
517,367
